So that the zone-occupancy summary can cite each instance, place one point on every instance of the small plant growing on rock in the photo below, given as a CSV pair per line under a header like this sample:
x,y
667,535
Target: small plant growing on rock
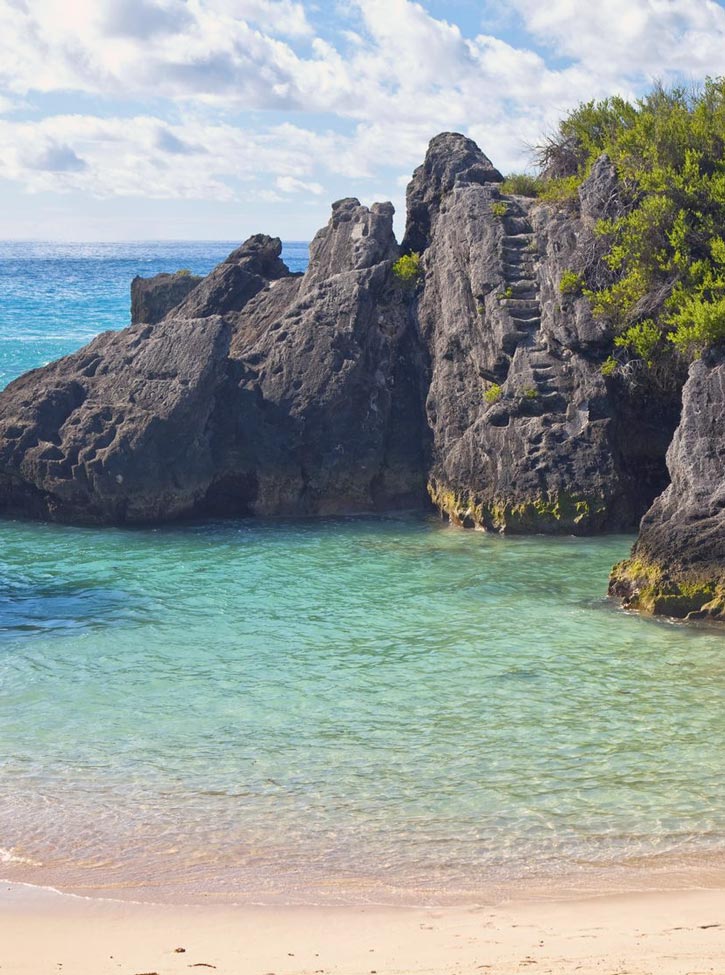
x,y
521,184
507,293
609,367
570,283
407,270
531,392
493,394
642,340
499,209
184,271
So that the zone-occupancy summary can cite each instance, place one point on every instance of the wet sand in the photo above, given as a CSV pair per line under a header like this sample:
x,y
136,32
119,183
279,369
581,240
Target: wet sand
x,y
670,933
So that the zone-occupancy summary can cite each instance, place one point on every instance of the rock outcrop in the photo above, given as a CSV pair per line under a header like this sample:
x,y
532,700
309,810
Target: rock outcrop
x,y
153,298
260,392
525,427
677,567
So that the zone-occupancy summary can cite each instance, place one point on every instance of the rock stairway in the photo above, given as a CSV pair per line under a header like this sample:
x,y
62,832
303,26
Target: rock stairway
x,y
518,254
521,300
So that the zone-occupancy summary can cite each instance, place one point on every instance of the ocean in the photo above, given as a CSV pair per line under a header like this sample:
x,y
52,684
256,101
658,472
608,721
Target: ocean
x,y
351,710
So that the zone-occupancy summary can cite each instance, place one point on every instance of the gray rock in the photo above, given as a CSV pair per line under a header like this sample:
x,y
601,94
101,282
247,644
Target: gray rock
x,y
525,428
452,160
153,298
677,567
232,283
263,392
279,402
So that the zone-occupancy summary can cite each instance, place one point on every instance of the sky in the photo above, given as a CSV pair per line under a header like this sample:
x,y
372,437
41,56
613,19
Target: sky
x,y
215,119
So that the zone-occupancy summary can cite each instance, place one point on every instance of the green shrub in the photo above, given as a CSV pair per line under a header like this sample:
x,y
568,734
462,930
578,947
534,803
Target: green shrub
x,y
666,251
698,324
570,283
531,392
407,269
493,394
609,366
508,292
184,271
521,184
563,190
642,340
499,209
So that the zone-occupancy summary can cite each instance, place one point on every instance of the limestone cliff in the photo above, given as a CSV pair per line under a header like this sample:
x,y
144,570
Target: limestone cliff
x,y
260,392
527,433
677,566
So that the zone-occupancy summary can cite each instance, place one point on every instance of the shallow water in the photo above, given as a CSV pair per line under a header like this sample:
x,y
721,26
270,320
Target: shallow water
x,y
378,708
370,709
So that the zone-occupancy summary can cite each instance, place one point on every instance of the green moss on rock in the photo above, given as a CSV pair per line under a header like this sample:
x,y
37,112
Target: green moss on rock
x,y
556,514
651,589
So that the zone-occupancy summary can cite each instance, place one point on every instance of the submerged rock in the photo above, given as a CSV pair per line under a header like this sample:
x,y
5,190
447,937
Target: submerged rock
x,y
677,567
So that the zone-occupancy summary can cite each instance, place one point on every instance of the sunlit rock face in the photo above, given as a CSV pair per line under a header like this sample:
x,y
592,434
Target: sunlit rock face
x,y
477,385
261,392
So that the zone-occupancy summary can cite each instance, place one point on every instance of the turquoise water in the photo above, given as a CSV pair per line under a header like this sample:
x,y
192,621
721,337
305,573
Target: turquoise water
x,y
368,709
55,297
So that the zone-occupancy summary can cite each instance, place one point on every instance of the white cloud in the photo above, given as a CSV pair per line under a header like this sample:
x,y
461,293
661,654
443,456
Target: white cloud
x,y
140,157
385,78
627,37
290,184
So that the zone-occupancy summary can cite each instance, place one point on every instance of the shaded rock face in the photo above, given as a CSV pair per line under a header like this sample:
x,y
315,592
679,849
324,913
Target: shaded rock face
x,y
527,435
677,567
153,298
267,393
279,401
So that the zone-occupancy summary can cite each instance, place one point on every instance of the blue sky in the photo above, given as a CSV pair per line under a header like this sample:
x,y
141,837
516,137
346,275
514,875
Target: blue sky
x,y
214,119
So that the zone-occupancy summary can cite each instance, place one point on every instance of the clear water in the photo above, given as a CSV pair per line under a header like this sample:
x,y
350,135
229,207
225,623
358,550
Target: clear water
x,y
370,709
55,297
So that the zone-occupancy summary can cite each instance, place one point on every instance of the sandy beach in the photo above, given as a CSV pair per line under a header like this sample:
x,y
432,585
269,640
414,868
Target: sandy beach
x,y
677,933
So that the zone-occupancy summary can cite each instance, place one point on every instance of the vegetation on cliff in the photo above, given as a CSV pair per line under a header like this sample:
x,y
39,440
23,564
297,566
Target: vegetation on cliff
x,y
407,269
665,248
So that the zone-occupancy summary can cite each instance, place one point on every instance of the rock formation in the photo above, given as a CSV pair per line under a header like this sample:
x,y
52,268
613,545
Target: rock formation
x,y
677,566
153,298
526,430
255,391
262,393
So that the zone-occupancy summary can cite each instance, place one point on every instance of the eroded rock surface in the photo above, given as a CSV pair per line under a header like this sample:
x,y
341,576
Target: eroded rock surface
x,y
153,298
278,402
524,425
344,389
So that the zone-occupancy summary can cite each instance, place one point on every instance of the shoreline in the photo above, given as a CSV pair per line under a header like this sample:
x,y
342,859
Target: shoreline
x,y
662,932
635,875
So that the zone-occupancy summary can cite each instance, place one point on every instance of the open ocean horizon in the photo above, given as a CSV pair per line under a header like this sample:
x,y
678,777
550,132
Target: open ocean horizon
x,y
353,710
